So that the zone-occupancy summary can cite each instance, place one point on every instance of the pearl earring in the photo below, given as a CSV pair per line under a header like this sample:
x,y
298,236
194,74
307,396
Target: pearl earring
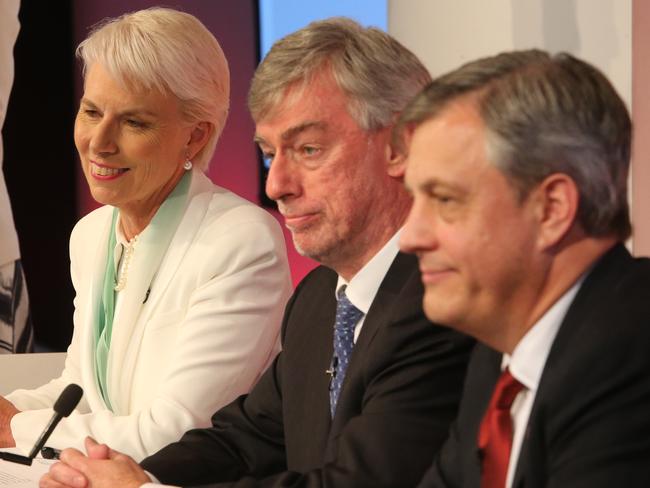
x,y
188,165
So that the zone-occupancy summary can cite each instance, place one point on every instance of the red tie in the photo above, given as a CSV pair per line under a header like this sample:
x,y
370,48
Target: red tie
x,y
495,433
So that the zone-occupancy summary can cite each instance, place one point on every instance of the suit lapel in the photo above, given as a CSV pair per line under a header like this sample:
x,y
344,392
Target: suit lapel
x,y
94,283
125,334
306,355
321,358
479,393
150,274
379,315
199,198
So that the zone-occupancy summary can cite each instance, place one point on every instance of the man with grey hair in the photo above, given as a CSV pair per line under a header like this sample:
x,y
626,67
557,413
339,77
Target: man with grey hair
x,y
365,387
518,164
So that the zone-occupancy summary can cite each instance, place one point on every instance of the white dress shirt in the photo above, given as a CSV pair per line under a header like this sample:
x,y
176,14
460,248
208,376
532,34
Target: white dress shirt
x,y
362,288
526,364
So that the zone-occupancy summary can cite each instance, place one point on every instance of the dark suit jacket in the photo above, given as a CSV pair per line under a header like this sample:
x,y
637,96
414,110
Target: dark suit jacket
x,y
400,394
590,422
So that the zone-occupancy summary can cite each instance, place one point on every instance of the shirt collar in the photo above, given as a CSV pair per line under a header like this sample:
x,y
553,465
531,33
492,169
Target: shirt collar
x,y
362,288
119,235
527,361
120,243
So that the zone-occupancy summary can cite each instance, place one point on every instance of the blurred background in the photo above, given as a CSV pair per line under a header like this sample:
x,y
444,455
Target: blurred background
x,y
49,194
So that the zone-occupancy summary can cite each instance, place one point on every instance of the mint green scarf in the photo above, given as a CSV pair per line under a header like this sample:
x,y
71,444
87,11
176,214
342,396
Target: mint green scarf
x,y
163,225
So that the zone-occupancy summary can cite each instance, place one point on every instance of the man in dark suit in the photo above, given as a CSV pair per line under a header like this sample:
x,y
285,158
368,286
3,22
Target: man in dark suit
x,y
365,388
519,167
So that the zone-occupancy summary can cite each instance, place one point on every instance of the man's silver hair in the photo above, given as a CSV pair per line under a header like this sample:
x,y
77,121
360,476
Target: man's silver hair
x,y
376,73
546,114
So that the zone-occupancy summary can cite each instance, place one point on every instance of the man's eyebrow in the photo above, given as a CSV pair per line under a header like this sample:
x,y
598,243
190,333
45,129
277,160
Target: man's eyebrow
x,y
294,131
433,184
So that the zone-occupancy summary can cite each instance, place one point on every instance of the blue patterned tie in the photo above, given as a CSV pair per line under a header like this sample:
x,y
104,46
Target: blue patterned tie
x,y
347,316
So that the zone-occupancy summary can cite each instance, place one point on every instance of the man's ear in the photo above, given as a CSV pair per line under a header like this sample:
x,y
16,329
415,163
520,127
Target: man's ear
x,y
556,201
396,153
198,138
396,162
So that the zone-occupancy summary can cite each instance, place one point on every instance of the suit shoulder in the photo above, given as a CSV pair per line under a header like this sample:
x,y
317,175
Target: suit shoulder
x,y
637,277
226,213
319,280
617,289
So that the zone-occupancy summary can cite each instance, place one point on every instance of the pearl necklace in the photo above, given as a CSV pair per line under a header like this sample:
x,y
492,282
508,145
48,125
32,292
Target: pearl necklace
x,y
129,249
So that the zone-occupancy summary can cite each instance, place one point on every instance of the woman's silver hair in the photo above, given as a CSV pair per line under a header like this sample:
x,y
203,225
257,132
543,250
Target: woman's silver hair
x,y
546,114
169,51
376,73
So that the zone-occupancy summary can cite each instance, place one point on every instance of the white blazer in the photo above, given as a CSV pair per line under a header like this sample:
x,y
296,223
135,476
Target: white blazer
x,y
206,332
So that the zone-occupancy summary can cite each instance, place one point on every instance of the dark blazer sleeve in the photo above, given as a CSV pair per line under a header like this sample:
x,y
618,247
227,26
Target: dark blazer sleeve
x,y
401,392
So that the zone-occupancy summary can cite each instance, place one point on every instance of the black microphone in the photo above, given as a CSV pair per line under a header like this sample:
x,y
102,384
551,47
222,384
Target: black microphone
x,y
63,406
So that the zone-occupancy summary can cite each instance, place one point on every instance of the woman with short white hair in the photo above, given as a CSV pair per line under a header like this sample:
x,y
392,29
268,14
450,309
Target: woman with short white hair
x,y
180,285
